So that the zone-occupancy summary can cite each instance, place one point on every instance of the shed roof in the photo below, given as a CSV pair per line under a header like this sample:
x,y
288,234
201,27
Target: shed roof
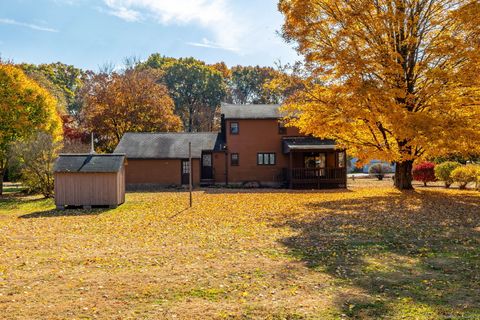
x,y
251,111
306,143
89,163
167,145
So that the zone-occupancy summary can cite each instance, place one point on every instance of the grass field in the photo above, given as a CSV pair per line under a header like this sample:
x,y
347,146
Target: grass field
x,y
367,252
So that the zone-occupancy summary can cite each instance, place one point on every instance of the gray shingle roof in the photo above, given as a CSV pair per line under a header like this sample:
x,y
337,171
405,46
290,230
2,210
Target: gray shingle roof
x,y
251,111
88,163
167,145
307,143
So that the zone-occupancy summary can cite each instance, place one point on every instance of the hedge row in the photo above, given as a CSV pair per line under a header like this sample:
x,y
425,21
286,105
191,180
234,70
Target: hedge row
x,y
449,172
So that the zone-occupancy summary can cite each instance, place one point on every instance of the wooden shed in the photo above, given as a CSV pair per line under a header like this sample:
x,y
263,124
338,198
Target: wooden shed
x,y
89,180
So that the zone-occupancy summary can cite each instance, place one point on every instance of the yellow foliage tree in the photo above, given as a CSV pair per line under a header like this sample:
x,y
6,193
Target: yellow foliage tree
x,y
395,80
25,109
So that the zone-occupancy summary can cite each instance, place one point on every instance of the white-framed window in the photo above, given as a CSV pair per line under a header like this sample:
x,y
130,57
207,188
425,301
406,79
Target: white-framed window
x,y
266,158
234,128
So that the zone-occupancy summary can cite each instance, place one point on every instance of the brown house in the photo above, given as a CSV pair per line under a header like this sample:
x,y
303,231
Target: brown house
x,y
253,147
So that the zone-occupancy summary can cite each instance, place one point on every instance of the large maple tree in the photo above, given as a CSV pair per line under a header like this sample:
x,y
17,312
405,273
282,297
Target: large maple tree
x,y
395,80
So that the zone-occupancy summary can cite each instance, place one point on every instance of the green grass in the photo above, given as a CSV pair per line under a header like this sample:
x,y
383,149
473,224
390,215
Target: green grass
x,y
367,253
12,188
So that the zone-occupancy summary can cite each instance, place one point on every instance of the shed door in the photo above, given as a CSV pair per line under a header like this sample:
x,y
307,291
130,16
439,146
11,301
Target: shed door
x,y
207,167
185,171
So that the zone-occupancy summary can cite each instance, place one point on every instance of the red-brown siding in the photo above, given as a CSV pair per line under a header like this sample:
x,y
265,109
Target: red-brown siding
x,y
219,169
162,172
256,136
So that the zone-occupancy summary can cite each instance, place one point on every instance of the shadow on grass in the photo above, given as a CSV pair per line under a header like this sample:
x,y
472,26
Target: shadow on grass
x,y
233,189
64,213
14,201
220,190
178,213
411,254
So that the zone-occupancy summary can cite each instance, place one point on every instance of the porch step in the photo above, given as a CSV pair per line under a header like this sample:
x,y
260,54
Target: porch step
x,y
206,182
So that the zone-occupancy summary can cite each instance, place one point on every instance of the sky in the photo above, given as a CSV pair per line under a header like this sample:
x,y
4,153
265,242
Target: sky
x,y
91,33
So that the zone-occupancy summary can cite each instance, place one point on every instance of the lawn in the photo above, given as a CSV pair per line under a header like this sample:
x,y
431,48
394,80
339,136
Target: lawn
x,y
367,252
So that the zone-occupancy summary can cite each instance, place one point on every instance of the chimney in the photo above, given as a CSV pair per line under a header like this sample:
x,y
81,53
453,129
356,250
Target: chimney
x,y
223,129
92,147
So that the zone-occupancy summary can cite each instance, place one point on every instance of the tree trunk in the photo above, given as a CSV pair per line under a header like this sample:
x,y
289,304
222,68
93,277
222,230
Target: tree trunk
x,y
190,119
403,175
2,173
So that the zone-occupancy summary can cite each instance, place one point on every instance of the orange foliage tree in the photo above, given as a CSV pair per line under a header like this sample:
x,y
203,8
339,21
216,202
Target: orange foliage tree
x,y
395,80
132,101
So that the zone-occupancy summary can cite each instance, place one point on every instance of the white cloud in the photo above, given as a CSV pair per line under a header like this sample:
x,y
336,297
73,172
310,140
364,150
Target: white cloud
x,y
205,43
27,25
247,28
125,14
213,15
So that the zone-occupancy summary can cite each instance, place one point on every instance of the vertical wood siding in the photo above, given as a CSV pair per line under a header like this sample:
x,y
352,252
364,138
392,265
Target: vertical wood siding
x,y
89,189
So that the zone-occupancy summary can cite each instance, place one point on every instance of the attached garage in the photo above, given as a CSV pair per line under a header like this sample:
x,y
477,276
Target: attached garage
x,y
89,180
161,159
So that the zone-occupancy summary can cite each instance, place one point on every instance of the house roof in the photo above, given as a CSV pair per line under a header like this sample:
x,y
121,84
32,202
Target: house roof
x,y
251,111
307,143
89,163
167,145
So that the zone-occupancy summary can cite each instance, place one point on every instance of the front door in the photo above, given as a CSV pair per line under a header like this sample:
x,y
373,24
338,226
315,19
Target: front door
x,y
207,166
185,172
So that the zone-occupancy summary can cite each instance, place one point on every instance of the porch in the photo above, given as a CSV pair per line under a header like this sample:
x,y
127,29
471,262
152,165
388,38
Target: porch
x,y
317,178
314,164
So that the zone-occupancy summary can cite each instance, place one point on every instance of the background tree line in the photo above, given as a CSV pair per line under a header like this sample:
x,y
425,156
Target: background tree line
x,y
110,102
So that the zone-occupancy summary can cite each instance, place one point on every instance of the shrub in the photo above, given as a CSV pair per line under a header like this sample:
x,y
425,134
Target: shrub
x,y
36,158
466,174
379,170
424,172
444,170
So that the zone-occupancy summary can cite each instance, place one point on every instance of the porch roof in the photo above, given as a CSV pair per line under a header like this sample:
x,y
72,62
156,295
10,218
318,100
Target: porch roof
x,y
306,143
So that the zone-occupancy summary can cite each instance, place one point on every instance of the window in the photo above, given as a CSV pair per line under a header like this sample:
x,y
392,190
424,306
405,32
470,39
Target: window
x,y
281,128
185,166
266,159
207,160
315,164
234,159
234,128
341,159
314,160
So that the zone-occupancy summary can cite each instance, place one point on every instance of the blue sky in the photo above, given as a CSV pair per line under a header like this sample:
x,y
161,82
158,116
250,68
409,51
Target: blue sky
x,y
90,33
